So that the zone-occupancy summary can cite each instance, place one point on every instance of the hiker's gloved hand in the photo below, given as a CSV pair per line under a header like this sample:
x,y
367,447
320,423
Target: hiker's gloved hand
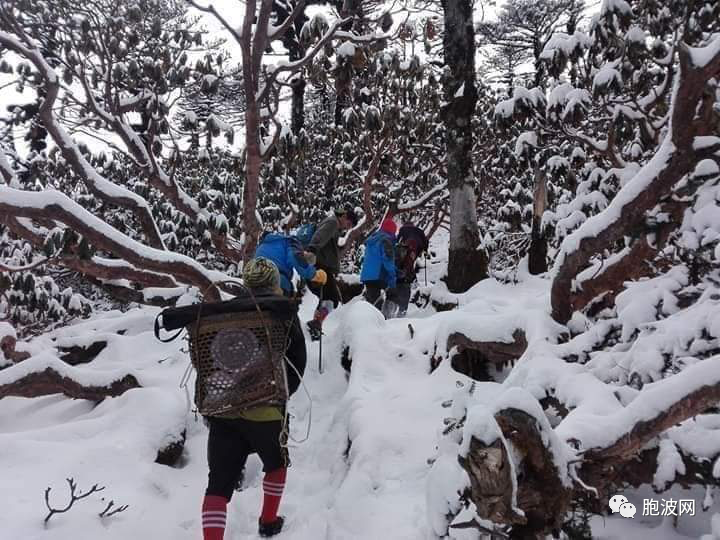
x,y
320,277
310,257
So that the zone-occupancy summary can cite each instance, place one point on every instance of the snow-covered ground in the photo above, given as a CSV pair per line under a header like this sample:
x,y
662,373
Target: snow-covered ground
x,y
374,488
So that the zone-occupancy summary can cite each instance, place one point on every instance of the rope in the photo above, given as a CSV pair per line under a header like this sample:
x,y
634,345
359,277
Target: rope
x,y
184,385
320,366
286,429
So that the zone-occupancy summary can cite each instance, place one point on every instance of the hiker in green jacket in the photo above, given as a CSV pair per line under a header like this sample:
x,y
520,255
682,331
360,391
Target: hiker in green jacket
x,y
324,245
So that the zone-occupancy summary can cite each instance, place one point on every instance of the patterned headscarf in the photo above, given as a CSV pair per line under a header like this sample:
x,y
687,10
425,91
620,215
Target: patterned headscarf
x,y
261,273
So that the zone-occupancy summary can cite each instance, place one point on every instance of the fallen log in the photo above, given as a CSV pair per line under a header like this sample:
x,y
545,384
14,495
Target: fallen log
x,y
78,354
49,381
541,498
627,459
474,357
640,260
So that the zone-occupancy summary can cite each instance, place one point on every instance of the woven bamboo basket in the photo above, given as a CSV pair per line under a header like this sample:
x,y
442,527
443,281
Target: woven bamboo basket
x,y
239,359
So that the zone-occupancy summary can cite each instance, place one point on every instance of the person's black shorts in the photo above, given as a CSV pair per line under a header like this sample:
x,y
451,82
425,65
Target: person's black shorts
x,y
230,443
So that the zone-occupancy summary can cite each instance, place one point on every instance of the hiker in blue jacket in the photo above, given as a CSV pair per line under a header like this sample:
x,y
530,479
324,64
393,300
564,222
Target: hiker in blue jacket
x,y
288,255
378,268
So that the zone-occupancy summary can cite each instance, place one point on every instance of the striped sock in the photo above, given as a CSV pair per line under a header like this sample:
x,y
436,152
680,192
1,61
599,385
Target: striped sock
x,y
214,514
273,485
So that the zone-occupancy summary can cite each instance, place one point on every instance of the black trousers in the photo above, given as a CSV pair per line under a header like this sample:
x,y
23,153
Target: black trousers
x,y
230,443
401,296
329,291
373,293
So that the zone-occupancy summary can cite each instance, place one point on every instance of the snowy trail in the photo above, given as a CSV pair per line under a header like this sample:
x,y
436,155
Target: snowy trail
x,y
390,409
317,464
374,490
377,488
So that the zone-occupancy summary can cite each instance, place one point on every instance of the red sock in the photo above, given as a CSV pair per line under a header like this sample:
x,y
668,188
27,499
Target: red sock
x,y
214,513
273,485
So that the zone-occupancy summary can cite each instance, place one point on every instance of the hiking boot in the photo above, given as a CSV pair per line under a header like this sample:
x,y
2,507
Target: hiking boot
x,y
270,529
314,329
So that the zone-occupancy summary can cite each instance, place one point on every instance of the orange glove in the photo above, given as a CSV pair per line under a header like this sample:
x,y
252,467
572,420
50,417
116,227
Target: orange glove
x,y
320,277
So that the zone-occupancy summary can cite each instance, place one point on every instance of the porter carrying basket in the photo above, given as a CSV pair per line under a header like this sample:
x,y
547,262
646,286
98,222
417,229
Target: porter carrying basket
x,y
238,350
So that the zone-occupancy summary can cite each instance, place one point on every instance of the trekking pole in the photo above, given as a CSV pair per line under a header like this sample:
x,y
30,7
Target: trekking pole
x,y
320,367
425,255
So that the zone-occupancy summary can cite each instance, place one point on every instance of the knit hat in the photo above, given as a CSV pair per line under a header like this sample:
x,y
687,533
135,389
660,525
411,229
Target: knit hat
x,y
261,273
389,226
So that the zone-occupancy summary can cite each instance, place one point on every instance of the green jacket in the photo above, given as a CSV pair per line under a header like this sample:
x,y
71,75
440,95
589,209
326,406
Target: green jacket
x,y
264,413
324,244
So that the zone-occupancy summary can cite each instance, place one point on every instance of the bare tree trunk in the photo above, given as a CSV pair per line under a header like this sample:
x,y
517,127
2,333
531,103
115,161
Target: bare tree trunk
x,y
468,263
353,11
251,58
539,76
291,41
251,226
342,98
297,111
537,253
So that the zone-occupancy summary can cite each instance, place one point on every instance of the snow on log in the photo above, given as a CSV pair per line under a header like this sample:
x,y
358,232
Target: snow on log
x,y
81,354
57,206
473,357
602,282
44,374
657,407
507,447
541,497
349,286
108,269
691,118
171,453
496,352
49,381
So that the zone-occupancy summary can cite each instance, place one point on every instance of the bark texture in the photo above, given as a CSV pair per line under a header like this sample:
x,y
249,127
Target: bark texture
x,y
49,381
537,253
542,495
467,262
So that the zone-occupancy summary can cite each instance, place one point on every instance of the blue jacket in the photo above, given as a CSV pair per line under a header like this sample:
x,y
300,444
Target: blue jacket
x,y
379,261
286,253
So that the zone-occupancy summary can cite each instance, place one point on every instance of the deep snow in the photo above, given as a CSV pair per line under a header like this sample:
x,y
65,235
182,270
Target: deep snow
x,y
380,486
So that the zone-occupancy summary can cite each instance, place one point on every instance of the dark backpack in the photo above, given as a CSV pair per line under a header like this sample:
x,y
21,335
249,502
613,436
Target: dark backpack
x,y
406,252
305,233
